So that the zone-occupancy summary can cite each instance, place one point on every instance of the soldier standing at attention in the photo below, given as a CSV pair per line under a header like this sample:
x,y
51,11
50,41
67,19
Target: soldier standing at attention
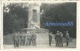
x,y
61,39
16,40
67,38
28,39
33,39
22,38
57,38
50,39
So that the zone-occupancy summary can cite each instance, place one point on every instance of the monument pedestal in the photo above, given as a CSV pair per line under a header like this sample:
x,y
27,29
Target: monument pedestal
x,y
42,36
42,39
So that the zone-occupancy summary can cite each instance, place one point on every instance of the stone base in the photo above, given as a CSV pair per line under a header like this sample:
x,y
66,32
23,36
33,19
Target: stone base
x,y
42,36
42,39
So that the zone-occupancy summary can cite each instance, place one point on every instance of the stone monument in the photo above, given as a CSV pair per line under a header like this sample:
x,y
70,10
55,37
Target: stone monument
x,y
34,25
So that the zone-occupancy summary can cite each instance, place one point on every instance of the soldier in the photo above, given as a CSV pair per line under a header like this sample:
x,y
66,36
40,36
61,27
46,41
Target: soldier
x,y
22,37
28,39
67,38
50,39
61,39
16,40
34,39
57,38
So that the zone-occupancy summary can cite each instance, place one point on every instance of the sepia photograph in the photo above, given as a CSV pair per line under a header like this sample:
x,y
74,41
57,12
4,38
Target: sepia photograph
x,y
28,25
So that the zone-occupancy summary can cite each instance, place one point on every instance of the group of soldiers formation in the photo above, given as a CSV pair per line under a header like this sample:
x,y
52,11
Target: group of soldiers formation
x,y
24,39
29,39
59,39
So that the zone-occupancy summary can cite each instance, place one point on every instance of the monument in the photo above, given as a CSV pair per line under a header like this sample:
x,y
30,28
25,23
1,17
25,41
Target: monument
x,y
34,16
34,25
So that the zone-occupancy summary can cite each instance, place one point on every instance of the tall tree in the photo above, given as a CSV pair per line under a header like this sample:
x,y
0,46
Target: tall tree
x,y
15,17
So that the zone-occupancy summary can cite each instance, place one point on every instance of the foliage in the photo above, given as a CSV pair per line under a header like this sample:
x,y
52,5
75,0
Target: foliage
x,y
62,12
16,18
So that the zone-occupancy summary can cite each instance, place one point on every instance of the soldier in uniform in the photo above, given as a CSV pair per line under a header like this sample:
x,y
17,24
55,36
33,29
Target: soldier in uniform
x,y
57,38
67,38
16,40
28,39
33,39
22,38
61,39
50,39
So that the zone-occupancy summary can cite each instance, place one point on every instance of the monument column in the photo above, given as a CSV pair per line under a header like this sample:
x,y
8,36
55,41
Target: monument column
x,y
29,15
34,16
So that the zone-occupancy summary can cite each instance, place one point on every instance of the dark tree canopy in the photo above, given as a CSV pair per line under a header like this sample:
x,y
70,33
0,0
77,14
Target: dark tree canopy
x,y
16,18
62,12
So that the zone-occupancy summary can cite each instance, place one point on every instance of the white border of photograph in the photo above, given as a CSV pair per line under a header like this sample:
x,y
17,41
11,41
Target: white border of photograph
x,y
48,49
1,27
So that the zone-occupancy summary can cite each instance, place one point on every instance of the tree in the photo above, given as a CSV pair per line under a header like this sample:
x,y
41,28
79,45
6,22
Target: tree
x,y
15,17
62,12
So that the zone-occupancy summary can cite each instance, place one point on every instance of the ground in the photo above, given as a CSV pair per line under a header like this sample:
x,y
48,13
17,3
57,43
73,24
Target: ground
x,y
8,43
